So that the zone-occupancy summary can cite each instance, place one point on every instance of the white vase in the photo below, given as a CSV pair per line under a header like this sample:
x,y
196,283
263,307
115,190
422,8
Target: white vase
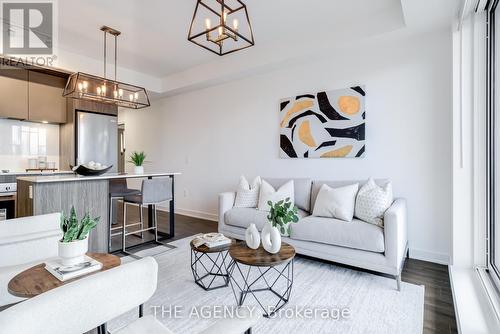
x,y
138,169
73,252
252,237
271,239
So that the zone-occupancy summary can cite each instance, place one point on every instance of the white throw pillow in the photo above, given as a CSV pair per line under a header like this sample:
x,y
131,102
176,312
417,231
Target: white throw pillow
x,y
247,196
372,202
336,202
268,193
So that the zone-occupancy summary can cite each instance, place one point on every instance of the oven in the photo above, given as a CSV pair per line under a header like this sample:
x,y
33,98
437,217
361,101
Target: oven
x,y
7,207
8,190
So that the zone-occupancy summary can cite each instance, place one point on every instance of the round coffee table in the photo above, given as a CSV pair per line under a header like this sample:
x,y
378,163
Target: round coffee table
x,y
255,270
36,280
209,264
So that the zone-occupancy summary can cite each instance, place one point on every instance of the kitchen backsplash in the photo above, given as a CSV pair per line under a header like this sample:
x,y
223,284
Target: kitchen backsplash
x,y
20,141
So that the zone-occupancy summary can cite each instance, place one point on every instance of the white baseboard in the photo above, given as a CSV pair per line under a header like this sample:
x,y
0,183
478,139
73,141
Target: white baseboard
x,y
423,255
192,213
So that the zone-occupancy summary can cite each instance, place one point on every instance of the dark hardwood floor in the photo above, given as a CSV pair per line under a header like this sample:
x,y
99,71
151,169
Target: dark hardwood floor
x,y
439,313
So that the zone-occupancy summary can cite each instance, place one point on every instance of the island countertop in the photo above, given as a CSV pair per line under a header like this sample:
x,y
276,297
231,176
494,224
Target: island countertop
x,y
75,177
43,194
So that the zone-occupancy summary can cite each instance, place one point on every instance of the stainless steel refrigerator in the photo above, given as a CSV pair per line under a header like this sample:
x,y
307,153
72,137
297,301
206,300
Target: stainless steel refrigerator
x,y
97,139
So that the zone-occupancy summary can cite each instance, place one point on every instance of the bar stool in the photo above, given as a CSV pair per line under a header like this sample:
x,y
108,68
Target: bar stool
x,y
117,190
153,192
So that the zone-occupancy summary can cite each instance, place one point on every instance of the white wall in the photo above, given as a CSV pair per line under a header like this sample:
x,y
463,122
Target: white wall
x,y
21,140
216,134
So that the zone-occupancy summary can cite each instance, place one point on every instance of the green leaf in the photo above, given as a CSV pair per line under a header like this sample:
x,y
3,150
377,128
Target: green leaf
x,y
137,158
75,230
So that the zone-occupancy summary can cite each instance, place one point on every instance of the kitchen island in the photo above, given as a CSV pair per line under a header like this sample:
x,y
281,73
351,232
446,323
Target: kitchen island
x,y
37,195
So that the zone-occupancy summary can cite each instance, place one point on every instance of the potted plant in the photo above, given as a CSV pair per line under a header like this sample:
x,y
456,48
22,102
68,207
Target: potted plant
x,y
281,215
74,243
137,158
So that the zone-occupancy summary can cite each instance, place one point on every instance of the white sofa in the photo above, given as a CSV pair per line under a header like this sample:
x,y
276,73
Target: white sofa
x,y
25,242
356,243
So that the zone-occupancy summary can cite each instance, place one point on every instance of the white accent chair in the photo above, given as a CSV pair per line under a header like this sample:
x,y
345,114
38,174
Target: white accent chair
x,y
25,242
90,302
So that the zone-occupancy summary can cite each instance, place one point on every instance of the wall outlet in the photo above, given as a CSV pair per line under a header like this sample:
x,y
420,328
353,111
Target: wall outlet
x,y
186,193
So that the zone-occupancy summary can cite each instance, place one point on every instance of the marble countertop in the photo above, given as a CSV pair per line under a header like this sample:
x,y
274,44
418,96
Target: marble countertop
x,y
22,173
75,178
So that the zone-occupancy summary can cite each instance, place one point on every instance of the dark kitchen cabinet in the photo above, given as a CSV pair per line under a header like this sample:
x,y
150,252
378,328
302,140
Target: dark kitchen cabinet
x,y
45,100
14,93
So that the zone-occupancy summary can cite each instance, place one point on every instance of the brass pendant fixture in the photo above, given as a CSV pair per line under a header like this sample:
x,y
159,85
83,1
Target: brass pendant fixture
x,y
221,26
85,86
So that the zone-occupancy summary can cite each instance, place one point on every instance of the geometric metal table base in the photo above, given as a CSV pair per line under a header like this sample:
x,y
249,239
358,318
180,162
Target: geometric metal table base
x,y
206,278
249,284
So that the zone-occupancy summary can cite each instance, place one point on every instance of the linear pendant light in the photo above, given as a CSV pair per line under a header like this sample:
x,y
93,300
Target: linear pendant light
x,y
90,87
221,26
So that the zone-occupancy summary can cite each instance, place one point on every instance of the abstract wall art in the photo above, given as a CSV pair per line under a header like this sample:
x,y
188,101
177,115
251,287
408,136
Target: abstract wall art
x,y
324,125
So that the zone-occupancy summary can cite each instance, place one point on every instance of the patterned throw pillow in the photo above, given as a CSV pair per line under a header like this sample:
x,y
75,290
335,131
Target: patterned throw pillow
x,y
372,202
247,196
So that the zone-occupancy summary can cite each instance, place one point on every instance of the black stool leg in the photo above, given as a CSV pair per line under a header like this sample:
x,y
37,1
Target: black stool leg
x,y
102,329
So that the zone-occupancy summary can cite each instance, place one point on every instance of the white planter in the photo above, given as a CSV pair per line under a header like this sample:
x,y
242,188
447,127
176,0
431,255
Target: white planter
x,y
252,237
271,239
138,169
73,252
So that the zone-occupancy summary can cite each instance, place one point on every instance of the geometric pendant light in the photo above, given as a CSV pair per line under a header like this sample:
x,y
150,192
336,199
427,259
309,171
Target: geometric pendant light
x,y
221,26
90,87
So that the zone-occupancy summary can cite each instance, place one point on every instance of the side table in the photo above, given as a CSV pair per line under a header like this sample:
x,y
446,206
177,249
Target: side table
x,y
209,266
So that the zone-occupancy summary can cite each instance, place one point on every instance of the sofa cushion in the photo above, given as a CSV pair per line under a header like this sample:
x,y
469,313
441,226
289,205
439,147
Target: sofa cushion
x,y
356,234
243,217
316,186
302,190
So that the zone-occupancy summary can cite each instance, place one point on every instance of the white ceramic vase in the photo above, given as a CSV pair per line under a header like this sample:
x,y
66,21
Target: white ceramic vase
x,y
252,237
138,169
271,239
73,252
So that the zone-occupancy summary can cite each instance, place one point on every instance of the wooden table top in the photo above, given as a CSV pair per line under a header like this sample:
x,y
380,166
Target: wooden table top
x,y
36,280
259,257
205,249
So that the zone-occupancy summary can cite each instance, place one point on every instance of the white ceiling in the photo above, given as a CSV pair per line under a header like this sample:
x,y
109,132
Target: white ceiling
x,y
154,39
154,50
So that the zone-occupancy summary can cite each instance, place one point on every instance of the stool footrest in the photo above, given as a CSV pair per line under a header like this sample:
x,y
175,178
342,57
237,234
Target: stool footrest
x,y
134,224
139,231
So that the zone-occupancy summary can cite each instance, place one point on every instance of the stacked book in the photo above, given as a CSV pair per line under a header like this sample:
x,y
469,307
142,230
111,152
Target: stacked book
x,y
211,240
64,273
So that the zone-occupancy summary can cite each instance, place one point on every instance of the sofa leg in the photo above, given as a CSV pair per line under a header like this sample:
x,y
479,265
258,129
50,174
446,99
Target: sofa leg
x,y
398,281
249,331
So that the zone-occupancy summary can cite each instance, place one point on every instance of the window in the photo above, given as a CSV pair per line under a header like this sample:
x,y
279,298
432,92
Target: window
x,y
494,143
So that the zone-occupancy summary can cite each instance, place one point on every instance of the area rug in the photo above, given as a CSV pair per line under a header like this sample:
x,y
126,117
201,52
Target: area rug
x,y
341,300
